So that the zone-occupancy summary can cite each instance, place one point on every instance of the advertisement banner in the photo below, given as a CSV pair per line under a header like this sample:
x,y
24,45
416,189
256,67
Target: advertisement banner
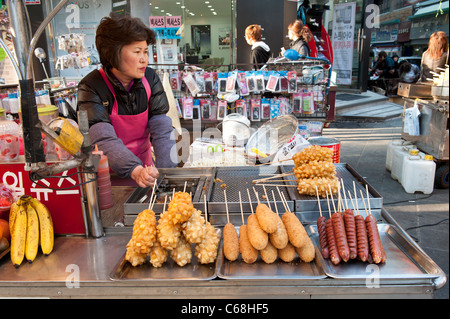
x,y
342,39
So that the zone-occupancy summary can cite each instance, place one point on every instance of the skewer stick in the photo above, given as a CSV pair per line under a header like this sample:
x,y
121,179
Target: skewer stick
x,y
274,202
271,181
368,200
256,194
151,197
154,201
226,204
165,201
287,206
206,209
318,202
332,199
268,163
343,191
354,191
272,177
339,198
184,189
267,197
281,185
250,200
328,202
279,193
362,197
240,204
353,204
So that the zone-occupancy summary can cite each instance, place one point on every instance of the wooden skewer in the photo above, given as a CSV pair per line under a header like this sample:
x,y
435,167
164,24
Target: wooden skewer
x,y
267,197
271,181
368,200
151,197
274,202
279,193
332,199
184,189
328,202
354,191
206,208
280,185
240,204
273,176
343,191
351,200
362,198
268,163
153,203
318,202
250,200
226,204
339,199
287,206
164,207
256,194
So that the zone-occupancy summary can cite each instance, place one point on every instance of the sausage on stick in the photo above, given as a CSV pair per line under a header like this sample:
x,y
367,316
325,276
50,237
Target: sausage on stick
x,y
230,237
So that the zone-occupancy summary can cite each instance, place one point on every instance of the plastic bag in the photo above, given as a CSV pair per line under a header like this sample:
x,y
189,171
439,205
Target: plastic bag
x,y
295,145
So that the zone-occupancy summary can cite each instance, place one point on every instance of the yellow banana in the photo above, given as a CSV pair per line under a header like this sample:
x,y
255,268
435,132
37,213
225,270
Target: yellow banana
x,y
32,242
19,236
45,226
12,214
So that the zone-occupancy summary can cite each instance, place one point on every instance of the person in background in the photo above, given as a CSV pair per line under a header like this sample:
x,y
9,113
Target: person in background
x,y
408,72
300,35
435,57
126,102
260,51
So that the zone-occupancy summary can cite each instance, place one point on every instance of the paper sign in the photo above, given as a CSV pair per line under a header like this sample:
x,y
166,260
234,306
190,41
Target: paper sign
x,y
157,22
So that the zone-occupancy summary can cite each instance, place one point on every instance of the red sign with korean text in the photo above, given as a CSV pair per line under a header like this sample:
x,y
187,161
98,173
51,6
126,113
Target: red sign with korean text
x,y
63,200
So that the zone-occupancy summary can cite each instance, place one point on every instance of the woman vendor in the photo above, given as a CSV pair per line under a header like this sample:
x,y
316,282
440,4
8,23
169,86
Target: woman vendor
x,y
126,102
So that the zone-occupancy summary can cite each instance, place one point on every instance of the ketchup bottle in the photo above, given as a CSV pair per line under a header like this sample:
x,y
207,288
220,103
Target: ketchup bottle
x,y
103,181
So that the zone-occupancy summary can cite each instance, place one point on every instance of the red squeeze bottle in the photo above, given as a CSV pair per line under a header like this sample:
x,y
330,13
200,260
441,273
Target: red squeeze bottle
x,y
103,181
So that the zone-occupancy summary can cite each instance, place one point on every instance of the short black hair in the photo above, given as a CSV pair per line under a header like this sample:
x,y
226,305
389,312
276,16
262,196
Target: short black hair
x,y
116,31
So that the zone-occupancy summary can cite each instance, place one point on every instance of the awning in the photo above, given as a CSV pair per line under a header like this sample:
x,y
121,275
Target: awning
x,y
429,10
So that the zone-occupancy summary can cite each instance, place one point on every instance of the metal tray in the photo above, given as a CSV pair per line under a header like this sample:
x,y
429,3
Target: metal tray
x,y
279,270
405,262
240,179
169,271
345,172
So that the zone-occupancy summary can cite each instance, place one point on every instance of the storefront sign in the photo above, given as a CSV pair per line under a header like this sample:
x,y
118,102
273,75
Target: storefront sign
x,y
166,27
404,31
62,199
343,39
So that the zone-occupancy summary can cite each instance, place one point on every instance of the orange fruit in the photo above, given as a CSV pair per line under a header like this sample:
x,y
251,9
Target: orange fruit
x,y
4,229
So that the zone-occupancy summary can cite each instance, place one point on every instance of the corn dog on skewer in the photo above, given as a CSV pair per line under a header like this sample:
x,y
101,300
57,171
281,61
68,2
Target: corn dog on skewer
x,y
194,228
308,186
142,239
182,254
206,251
313,153
168,233
315,169
180,208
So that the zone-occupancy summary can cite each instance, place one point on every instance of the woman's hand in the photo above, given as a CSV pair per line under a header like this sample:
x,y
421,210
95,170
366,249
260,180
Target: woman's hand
x,y
145,176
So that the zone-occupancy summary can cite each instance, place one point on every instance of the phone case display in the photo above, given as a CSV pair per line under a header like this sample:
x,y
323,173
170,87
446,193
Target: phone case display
x,y
77,56
298,87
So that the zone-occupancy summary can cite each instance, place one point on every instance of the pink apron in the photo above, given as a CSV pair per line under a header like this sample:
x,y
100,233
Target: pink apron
x,y
132,129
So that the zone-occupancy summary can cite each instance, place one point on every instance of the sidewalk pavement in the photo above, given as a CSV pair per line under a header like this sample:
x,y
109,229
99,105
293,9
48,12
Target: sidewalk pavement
x,y
423,217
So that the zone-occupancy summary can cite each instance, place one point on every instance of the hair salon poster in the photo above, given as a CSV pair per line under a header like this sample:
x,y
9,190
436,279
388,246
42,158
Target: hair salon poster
x,y
343,38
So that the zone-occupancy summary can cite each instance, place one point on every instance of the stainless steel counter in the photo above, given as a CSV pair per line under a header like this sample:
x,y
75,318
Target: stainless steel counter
x,y
82,267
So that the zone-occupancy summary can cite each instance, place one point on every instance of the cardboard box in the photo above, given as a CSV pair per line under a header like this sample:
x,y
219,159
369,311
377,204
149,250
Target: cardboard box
x,y
414,90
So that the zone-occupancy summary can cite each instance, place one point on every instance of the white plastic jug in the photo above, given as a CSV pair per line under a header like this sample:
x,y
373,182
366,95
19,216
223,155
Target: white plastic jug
x,y
236,129
392,146
418,174
397,161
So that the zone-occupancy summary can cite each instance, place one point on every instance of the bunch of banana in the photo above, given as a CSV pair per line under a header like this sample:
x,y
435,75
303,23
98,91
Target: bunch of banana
x,y
30,224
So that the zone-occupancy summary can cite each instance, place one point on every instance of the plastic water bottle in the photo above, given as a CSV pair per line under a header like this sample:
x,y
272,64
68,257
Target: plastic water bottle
x,y
103,181
397,161
418,173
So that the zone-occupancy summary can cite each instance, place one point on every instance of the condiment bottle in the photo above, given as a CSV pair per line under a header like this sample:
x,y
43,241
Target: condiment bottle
x,y
103,181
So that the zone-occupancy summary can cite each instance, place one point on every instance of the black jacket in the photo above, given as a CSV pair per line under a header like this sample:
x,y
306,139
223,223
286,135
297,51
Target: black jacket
x,y
301,47
95,97
259,57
